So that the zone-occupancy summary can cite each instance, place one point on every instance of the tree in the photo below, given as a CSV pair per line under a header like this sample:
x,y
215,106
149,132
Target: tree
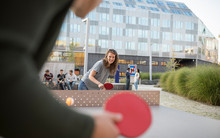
x,y
70,52
172,63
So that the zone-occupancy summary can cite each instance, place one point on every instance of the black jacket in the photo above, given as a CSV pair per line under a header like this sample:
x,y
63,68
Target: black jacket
x,y
28,30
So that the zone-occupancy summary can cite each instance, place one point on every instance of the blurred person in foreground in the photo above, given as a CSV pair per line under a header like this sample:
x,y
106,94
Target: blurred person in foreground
x,y
28,31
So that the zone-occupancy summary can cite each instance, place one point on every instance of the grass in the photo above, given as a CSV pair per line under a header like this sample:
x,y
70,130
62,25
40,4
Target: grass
x,y
145,75
163,80
181,77
201,83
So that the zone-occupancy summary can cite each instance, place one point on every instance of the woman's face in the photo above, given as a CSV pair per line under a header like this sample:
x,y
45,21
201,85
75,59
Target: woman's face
x,y
111,58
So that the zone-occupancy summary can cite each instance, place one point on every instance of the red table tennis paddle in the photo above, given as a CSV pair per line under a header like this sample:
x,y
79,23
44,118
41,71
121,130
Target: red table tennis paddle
x,y
135,111
108,86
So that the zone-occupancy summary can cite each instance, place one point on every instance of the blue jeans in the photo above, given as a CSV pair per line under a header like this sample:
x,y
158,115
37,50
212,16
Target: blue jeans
x,y
127,85
70,85
82,86
136,84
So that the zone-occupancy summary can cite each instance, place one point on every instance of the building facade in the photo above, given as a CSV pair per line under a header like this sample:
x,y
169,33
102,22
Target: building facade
x,y
138,29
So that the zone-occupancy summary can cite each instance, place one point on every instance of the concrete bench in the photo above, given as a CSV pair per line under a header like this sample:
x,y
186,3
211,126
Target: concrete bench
x,y
94,98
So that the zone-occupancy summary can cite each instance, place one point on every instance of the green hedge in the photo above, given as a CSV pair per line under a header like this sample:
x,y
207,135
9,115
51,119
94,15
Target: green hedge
x,y
163,80
145,75
201,83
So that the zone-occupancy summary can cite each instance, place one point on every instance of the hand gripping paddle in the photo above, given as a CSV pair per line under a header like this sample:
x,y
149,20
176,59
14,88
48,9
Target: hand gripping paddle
x,y
108,86
135,111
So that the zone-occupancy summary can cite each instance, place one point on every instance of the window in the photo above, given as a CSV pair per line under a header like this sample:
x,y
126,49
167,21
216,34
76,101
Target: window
x,y
61,38
189,37
129,32
75,41
163,63
123,61
189,26
177,48
92,15
150,1
104,17
141,62
177,24
117,31
155,47
188,49
142,7
142,46
92,29
176,11
166,23
117,44
103,30
129,0
161,3
154,9
188,13
103,43
171,4
155,35
181,5
117,18
142,21
165,48
142,33
139,0
166,35
74,28
105,4
130,46
63,28
155,22
117,3
165,10
91,42
130,20
130,5
177,36
155,63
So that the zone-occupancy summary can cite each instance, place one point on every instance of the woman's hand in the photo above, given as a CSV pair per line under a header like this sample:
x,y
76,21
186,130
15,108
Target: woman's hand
x,y
101,86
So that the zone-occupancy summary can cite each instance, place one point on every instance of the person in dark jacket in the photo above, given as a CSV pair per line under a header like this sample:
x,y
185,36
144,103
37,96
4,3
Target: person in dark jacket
x,y
127,79
28,31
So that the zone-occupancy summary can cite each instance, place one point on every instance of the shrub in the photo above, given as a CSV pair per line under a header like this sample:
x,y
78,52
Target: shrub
x,y
204,84
170,82
181,77
163,80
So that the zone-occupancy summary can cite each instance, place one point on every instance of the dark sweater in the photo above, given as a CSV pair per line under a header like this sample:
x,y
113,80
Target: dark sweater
x,y
28,30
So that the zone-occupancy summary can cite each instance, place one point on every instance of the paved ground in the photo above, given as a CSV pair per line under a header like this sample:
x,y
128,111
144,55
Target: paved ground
x,y
181,103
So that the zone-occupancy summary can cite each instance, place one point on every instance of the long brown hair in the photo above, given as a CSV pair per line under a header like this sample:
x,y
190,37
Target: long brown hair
x,y
114,66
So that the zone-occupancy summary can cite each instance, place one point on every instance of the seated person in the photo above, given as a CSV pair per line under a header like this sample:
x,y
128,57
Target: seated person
x,y
71,79
48,78
61,79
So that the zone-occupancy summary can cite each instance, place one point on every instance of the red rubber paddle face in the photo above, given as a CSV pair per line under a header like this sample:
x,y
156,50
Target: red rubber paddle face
x,y
135,111
108,86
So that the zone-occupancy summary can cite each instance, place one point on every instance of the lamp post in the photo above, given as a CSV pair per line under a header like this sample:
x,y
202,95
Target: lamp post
x,y
150,62
86,20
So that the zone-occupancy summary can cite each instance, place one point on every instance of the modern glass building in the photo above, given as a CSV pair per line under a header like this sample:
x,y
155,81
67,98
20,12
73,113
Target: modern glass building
x,y
136,29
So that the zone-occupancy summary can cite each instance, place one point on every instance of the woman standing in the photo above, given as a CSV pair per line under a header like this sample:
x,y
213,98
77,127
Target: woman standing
x,y
136,79
95,78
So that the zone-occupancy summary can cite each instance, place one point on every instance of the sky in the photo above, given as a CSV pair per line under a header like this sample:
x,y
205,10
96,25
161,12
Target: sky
x,y
208,11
